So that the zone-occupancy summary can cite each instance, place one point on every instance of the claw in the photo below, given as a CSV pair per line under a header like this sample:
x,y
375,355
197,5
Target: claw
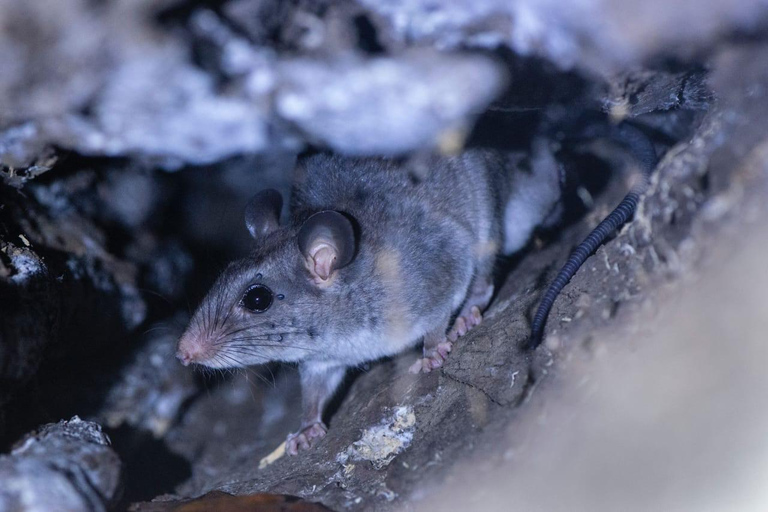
x,y
475,316
433,359
305,438
444,348
464,324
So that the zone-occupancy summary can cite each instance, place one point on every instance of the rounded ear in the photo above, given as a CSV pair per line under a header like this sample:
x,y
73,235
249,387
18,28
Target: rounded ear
x,y
262,213
327,241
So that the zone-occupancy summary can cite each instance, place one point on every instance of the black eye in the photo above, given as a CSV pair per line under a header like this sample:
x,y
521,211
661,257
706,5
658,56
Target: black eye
x,y
258,298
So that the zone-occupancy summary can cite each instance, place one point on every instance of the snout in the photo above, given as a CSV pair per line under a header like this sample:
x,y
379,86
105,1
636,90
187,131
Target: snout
x,y
184,356
191,349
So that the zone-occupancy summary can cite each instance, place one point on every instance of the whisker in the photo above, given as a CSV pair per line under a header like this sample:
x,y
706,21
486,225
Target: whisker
x,y
158,328
217,310
232,359
226,317
235,331
267,334
265,337
254,346
156,294
260,333
274,381
243,351
212,316
262,379
204,310
222,338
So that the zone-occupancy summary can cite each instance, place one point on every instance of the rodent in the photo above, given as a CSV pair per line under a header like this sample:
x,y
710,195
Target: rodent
x,y
372,261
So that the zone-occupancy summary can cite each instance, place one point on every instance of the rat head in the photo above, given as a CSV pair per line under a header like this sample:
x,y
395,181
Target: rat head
x,y
272,305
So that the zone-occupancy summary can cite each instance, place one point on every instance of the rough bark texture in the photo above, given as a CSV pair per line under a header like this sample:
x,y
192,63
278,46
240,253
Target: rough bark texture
x,y
103,249
64,466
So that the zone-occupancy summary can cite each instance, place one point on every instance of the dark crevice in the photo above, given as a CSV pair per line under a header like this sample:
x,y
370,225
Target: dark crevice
x,y
150,468
367,39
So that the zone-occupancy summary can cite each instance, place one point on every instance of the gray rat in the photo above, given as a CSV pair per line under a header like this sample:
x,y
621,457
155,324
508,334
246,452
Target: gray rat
x,y
372,261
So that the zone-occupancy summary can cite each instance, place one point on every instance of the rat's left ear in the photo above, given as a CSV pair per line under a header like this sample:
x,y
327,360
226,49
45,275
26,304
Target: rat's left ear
x,y
262,214
327,241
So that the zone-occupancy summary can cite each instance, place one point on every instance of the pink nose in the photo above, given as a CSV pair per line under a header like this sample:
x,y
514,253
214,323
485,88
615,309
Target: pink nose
x,y
190,349
184,356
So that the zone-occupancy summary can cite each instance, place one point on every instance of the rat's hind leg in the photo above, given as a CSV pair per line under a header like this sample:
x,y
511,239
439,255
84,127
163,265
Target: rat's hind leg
x,y
436,349
479,297
437,345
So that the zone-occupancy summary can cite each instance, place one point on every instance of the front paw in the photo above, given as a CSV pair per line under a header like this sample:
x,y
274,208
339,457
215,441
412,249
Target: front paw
x,y
432,359
305,438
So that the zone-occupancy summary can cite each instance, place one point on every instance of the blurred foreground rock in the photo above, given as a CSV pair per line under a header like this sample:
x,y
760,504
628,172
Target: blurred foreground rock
x,y
599,36
65,466
131,88
150,389
111,80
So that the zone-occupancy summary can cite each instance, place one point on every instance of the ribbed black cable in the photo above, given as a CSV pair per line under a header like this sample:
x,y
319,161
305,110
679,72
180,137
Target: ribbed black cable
x,y
643,151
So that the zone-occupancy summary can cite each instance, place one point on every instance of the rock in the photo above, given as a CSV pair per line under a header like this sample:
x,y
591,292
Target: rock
x,y
54,56
89,79
183,121
223,502
260,19
64,466
64,293
599,36
642,92
26,328
152,387
381,443
133,90
387,105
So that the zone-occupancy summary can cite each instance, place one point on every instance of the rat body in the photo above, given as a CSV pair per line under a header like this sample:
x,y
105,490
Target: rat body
x,y
372,262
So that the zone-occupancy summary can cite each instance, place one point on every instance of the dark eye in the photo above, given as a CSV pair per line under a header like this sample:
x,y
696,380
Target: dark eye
x,y
258,298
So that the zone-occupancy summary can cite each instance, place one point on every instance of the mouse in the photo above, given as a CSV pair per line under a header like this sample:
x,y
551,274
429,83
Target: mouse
x,y
373,260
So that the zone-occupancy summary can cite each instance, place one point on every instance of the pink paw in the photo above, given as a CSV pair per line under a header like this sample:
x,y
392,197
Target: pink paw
x,y
305,438
432,359
464,324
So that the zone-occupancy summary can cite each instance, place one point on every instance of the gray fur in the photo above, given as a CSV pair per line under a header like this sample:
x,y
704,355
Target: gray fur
x,y
420,245
534,200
